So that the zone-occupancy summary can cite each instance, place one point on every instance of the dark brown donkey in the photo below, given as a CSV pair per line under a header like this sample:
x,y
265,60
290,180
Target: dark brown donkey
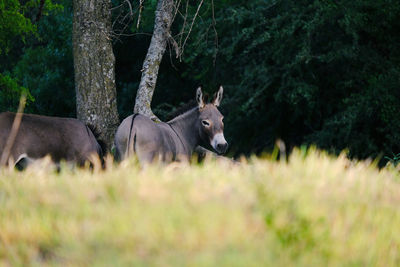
x,y
173,140
62,138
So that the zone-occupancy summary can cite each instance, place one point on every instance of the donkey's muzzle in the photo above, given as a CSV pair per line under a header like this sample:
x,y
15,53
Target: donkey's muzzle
x,y
222,148
219,143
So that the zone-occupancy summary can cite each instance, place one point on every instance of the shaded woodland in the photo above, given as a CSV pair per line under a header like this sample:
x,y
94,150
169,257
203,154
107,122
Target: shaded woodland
x,y
306,72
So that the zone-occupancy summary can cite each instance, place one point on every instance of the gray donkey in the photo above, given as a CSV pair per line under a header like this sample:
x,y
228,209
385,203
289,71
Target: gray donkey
x,y
175,139
62,138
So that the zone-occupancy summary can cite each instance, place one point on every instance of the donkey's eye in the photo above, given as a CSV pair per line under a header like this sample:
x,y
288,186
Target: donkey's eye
x,y
205,123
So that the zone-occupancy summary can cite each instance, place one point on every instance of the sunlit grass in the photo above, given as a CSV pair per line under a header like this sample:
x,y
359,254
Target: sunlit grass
x,y
315,210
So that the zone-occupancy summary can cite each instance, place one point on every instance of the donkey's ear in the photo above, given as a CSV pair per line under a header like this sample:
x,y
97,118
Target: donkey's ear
x,y
199,97
218,96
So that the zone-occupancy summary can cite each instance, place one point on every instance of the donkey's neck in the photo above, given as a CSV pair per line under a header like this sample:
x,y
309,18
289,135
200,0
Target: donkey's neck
x,y
186,126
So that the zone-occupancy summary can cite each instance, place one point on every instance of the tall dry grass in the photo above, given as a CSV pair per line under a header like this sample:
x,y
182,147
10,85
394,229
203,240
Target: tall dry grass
x,y
315,210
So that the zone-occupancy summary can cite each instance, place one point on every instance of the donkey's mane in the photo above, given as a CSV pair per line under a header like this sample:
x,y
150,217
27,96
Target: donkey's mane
x,y
181,110
184,115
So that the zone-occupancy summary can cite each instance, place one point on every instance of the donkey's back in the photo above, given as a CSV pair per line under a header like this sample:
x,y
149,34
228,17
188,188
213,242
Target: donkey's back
x,y
139,135
62,138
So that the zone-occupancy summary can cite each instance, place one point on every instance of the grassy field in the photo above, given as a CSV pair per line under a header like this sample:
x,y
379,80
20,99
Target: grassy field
x,y
315,210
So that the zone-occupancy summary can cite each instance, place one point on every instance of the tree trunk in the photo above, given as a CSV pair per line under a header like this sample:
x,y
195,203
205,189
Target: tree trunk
x,y
96,102
151,65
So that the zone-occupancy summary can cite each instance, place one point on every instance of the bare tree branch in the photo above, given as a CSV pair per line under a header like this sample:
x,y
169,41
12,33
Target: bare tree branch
x,y
140,13
215,31
151,64
130,7
123,20
174,44
190,29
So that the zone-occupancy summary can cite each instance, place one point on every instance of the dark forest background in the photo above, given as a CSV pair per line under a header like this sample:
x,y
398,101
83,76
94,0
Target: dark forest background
x,y
307,72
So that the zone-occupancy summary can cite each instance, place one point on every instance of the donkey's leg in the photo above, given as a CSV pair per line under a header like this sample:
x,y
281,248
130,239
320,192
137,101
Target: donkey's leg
x,y
123,136
146,157
121,150
117,154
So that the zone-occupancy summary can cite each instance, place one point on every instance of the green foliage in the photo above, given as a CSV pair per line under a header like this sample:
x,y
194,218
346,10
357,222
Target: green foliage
x,y
305,71
16,20
13,23
46,67
10,92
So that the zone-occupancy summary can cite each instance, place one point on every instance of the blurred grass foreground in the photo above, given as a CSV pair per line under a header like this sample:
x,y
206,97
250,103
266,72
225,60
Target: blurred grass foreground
x,y
314,210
